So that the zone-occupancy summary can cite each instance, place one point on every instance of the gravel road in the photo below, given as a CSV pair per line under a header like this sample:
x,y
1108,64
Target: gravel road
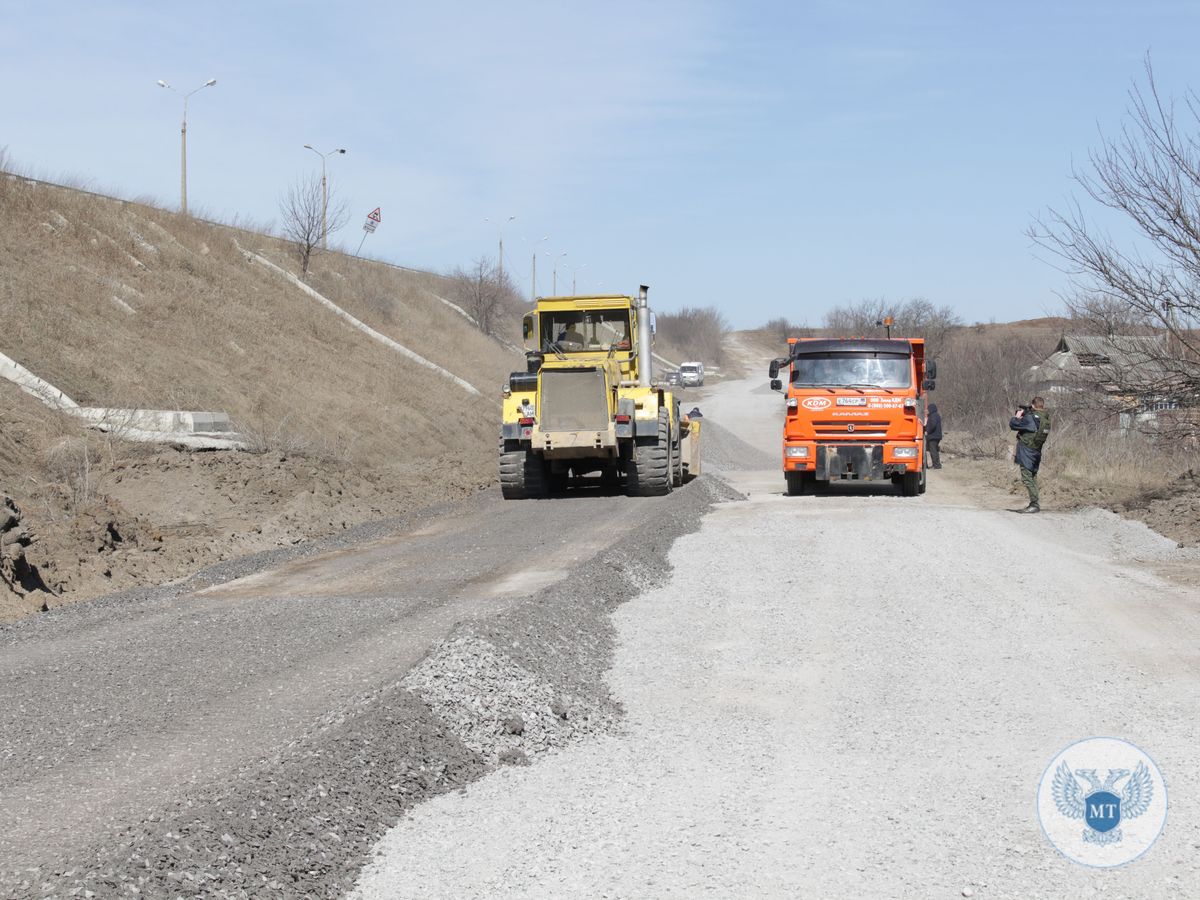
x,y
254,730
852,695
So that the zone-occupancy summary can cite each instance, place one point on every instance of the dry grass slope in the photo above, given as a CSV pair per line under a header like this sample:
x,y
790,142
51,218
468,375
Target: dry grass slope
x,y
122,304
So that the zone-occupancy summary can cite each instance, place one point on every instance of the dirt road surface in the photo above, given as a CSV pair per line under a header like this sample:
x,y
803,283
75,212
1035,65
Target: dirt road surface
x,y
852,695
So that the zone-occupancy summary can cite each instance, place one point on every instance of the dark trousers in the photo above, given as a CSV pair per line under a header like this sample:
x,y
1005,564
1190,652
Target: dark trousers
x,y
935,452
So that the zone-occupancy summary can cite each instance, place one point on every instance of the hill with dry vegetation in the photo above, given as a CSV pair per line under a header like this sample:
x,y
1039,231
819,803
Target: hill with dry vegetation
x,y
120,304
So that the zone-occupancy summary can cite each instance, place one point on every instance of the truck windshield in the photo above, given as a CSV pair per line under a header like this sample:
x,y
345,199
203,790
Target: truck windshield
x,y
593,329
885,370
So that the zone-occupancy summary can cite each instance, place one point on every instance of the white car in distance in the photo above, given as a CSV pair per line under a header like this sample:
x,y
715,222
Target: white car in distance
x,y
691,374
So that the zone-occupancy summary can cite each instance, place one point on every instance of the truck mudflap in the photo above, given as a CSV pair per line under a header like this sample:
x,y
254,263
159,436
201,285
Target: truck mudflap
x,y
853,462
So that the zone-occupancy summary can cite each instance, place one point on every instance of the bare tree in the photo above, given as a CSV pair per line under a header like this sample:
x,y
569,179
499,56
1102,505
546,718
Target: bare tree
x,y
984,373
697,331
1098,314
782,328
1150,174
489,296
916,317
308,216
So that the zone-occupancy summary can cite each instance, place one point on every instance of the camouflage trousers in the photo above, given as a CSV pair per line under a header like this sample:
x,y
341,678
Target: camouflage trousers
x,y
1029,479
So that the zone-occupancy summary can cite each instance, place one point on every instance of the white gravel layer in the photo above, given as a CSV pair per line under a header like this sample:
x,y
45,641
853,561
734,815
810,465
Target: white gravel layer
x,y
846,696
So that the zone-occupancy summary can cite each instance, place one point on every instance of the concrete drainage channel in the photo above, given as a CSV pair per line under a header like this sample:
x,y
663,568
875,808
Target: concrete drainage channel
x,y
495,692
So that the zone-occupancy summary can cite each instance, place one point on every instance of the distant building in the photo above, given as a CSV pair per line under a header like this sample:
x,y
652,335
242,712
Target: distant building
x,y
1133,375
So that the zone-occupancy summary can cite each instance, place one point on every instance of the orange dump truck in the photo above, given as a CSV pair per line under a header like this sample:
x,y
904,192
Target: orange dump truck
x,y
855,412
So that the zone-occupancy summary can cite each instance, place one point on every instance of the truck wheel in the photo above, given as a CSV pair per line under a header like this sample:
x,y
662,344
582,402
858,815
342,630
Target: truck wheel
x,y
648,472
924,479
909,484
798,483
522,472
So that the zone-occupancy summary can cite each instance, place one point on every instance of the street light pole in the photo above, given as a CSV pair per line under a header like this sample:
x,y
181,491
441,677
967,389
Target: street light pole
x,y
533,267
324,192
554,290
574,272
183,140
500,232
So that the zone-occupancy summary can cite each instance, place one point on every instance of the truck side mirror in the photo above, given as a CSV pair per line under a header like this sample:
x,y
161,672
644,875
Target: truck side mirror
x,y
776,384
931,369
929,384
773,369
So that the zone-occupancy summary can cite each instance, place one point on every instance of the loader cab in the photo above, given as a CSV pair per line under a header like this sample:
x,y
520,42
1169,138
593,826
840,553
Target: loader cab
x,y
570,331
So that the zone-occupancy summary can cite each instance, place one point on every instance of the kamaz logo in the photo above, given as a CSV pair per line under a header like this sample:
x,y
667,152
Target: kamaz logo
x,y
816,403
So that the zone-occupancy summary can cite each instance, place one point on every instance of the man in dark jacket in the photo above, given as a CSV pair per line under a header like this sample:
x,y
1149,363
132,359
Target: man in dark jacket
x,y
933,436
1032,425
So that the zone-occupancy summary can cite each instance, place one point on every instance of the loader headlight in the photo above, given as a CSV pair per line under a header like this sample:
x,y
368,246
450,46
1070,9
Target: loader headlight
x,y
796,452
905,453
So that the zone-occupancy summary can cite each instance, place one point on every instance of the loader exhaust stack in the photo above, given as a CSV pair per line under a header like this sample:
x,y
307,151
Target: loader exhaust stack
x,y
644,338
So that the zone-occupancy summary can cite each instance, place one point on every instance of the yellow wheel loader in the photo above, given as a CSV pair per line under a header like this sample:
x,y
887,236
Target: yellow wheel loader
x,y
586,404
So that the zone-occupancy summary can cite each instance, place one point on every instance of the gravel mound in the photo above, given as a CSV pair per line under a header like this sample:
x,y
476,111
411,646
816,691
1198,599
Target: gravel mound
x,y
1117,538
499,709
1173,510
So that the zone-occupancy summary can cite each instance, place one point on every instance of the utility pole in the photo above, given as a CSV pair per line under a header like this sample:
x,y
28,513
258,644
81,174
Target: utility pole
x,y
500,235
183,141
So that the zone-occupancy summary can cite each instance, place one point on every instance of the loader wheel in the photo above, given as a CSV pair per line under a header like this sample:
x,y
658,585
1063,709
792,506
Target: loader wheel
x,y
522,472
677,464
609,479
648,472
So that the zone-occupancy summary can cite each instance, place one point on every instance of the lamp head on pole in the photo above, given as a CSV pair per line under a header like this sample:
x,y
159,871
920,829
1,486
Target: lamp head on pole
x,y
162,83
210,82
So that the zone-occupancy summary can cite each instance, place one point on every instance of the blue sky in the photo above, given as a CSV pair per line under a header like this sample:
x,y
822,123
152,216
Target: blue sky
x,y
765,158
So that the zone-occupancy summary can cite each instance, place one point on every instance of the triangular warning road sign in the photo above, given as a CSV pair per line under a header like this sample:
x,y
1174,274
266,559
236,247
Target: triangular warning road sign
x,y
375,216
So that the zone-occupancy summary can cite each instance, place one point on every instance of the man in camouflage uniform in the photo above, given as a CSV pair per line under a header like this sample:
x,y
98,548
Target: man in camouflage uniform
x,y
1032,425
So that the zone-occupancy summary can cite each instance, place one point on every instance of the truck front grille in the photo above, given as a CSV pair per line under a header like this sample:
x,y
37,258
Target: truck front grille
x,y
838,429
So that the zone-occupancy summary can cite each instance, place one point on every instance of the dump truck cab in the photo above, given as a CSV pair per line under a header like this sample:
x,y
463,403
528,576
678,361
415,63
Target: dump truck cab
x,y
854,411
586,402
